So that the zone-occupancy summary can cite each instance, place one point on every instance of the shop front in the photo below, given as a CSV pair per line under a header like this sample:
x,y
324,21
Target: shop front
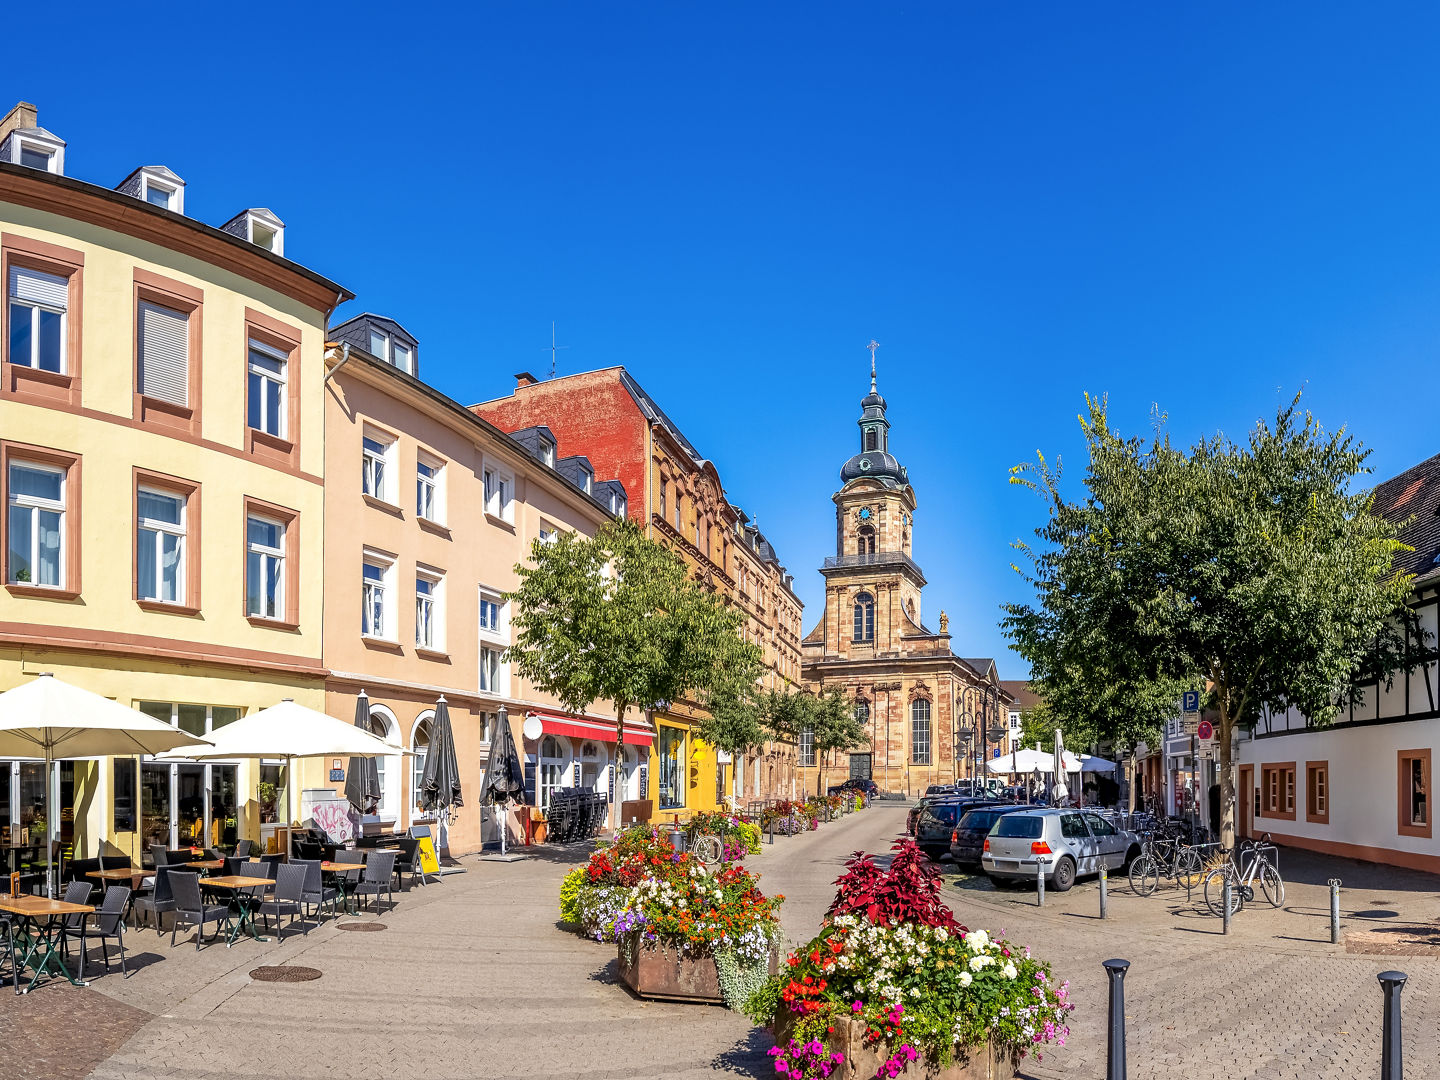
x,y
579,753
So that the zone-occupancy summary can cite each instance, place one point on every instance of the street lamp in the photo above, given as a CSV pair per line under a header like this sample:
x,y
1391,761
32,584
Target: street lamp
x,y
966,735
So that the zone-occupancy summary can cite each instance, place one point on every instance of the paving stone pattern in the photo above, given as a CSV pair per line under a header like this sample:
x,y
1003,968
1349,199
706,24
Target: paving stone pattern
x,y
473,977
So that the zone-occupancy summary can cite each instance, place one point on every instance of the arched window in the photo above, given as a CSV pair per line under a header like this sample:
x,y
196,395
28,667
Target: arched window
x,y
865,535
420,743
920,732
553,768
383,725
864,617
862,712
870,439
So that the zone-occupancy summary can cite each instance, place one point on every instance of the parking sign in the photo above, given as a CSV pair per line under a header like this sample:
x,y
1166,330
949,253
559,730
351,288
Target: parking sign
x,y
1190,702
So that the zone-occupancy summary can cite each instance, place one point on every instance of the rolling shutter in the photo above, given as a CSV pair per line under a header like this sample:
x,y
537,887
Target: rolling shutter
x,y
164,354
38,287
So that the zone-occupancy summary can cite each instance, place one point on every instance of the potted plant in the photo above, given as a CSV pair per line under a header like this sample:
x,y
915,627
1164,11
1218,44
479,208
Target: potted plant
x,y
893,986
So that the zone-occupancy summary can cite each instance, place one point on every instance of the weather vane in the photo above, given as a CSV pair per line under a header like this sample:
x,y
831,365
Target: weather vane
x,y
872,347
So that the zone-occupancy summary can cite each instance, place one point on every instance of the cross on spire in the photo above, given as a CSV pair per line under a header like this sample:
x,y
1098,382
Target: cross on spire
x,y
872,347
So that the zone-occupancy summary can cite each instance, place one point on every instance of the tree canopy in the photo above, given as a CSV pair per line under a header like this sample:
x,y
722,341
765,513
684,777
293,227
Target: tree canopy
x,y
1257,571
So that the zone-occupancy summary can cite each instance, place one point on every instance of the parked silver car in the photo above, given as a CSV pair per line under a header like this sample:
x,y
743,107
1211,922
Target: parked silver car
x,y
1071,843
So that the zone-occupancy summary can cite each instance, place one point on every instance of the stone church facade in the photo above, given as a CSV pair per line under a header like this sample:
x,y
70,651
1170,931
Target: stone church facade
x,y
918,701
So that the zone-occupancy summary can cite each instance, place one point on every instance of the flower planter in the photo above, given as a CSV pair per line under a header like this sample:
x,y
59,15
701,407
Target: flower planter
x,y
863,1059
667,975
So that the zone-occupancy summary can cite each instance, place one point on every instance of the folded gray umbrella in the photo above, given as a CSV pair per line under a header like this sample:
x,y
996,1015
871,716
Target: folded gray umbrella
x,y
506,780
362,778
440,783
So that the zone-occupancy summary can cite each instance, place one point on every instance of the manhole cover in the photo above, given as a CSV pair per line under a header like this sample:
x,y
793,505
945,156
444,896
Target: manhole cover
x,y
286,974
361,927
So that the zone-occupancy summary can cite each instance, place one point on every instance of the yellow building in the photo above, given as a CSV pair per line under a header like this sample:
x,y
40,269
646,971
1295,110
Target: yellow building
x,y
161,465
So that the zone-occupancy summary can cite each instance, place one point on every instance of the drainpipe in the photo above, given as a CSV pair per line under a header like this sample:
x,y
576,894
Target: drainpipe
x,y
344,359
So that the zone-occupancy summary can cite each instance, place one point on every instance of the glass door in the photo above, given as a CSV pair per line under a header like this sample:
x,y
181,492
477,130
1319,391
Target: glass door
x,y
190,792
155,805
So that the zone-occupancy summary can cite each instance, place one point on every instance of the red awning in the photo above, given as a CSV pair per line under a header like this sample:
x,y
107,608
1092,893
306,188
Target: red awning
x,y
599,731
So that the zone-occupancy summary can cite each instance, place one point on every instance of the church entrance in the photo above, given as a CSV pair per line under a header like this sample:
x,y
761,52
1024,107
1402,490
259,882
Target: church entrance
x,y
860,766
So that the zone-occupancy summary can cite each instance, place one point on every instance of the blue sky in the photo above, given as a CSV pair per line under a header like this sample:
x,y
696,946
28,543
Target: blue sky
x,y
1204,207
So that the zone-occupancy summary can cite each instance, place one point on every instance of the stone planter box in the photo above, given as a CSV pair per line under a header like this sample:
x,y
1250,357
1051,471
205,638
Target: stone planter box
x,y
863,1059
666,975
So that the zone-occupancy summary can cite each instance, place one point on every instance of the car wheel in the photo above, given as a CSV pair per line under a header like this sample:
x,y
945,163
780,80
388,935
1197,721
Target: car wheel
x,y
998,882
1130,857
1064,875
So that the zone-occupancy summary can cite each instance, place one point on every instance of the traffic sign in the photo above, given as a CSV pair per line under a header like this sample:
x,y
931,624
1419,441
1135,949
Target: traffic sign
x,y
1206,731
1190,701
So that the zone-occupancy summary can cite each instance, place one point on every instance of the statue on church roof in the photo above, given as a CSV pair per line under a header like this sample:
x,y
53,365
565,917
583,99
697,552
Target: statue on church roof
x,y
944,623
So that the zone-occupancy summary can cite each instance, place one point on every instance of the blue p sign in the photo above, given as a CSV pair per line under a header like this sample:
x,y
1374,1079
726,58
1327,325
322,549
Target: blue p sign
x,y
1191,701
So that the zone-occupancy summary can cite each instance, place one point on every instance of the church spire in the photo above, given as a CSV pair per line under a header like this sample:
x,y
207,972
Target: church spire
x,y
872,347
874,458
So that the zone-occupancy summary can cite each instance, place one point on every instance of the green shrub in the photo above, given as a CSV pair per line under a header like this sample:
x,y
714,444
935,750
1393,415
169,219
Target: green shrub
x,y
571,888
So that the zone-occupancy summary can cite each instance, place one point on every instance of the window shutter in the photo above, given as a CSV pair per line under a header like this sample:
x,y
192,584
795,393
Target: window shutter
x,y
164,354
38,287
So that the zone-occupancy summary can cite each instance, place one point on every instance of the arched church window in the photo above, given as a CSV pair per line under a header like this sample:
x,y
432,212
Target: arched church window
x,y
871,440
862,711
864,617
866,537
920,732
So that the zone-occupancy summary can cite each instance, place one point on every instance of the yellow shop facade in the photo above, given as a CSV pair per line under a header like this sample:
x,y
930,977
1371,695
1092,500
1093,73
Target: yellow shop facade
x,y
161,466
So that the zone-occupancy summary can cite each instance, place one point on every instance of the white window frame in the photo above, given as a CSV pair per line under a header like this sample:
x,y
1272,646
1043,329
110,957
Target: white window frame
x,y
266,376
171,192
54,155
498,681
267,555
499,494
166,528
587,480
417,764
375,594
499,631
396,348
549,533
436,602
377,486
435,482
36,504
547,451
35,308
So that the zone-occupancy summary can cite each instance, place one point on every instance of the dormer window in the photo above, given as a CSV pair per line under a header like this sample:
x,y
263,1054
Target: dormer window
x,y
24,142
35,157
585,479
618,506
547,451
392,350
260,227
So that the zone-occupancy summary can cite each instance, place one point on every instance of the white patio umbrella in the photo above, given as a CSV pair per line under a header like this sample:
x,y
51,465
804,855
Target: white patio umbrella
x,y
51,719
288,731
1026,761
1091,763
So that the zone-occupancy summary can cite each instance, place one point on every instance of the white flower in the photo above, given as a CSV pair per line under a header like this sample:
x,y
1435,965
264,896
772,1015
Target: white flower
x,y
977,963
977,939
966,978
1008,971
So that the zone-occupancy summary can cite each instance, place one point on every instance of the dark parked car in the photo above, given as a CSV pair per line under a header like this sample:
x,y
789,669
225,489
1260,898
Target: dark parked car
x,y
937,821
856,783
968,839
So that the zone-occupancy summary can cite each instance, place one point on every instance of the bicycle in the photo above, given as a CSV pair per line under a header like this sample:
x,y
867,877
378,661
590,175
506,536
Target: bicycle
x,y
1254,859
1163,857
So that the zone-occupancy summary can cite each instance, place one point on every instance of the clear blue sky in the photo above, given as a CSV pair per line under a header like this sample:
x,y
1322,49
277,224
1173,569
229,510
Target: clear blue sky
x,y
1204,206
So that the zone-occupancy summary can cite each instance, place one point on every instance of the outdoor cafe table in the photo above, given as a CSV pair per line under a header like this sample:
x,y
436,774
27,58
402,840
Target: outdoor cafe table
x,y
116,874
242,915
341,872
42,928
206,864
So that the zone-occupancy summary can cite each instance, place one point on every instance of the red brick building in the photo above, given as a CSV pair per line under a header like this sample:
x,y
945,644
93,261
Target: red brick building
x,y
604,424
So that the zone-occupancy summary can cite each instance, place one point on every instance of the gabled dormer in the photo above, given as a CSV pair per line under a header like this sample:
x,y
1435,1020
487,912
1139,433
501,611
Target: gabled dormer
x,y
156,185
24,142
381,337
578,470
539,441
259,226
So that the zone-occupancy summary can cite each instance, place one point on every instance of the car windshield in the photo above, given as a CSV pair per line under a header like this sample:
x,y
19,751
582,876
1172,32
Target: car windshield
x,y
1020,826
947,814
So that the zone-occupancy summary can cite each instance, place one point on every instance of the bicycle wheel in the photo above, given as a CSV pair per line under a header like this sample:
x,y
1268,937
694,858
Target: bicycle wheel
x,y
1144,875
1214,889
1272,885
1187,868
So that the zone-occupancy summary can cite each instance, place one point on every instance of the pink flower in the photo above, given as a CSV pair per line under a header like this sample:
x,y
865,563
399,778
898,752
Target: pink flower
x,y
856,1007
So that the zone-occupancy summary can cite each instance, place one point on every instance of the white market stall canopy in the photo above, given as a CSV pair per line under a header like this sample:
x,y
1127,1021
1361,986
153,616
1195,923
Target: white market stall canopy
x,y
1027,761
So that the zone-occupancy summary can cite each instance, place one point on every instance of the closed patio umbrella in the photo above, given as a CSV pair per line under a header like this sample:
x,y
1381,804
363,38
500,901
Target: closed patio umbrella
x,y
506,778
51,719
362,778
440,783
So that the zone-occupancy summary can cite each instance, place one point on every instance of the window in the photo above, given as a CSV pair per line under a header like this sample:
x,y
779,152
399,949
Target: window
x,y
264,567
1414,793
870,439
807,748
34,157
552,769
547,451
266,407
491,614
920,732
864,618
380,345
1317,792
862,712
429,488
586,479
429,616
404,357
158,193
1278,790
663,486
671,754
392,350
499,495
160,546
619,505
420,743
376,618
164,371
548,533
865,537
36,525
679,504
492,672
38,302
376,451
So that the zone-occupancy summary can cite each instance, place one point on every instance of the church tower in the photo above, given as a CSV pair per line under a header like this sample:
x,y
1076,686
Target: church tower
x,y
872,584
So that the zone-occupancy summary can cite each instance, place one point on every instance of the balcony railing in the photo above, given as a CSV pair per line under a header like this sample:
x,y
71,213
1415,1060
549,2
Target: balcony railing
x,y
877,558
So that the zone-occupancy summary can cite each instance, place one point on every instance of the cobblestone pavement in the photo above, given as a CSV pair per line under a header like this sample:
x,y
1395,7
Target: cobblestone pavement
x,y
473,977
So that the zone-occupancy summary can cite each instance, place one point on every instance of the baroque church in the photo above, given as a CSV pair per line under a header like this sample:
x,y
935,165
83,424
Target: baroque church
x,y
916,699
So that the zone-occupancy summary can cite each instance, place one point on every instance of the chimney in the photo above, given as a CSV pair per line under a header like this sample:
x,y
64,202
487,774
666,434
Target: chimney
x,y
23,115
524,379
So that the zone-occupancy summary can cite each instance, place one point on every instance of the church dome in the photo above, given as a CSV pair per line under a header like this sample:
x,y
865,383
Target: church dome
x,y
877,464
874,459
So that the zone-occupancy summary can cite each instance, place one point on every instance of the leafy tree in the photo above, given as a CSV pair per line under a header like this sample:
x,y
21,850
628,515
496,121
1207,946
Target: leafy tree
x,y
1249,569
615,617
832,721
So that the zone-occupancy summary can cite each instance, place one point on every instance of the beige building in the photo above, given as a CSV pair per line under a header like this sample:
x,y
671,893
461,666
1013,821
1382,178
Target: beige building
x,y
931,716
428,510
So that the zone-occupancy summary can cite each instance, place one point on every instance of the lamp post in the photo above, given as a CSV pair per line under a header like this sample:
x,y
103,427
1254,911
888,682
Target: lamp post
x,y
966,736
973,719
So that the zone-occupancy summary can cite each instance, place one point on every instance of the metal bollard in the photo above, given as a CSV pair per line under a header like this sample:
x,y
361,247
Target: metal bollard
x,y
772,828
1040,882
1334,911
1115,1043
1392,1061
1225,898
1104,894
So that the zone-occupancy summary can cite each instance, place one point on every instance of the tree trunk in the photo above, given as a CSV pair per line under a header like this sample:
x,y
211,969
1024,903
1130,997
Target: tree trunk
x,y
1130,778
1227,774
619,799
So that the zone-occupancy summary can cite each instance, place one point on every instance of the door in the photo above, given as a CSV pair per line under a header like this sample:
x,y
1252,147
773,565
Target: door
x,y
1108,841
1247,794
1081,844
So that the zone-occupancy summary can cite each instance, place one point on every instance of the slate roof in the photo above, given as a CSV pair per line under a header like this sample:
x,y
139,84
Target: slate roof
x,y
1020,690
1415,494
